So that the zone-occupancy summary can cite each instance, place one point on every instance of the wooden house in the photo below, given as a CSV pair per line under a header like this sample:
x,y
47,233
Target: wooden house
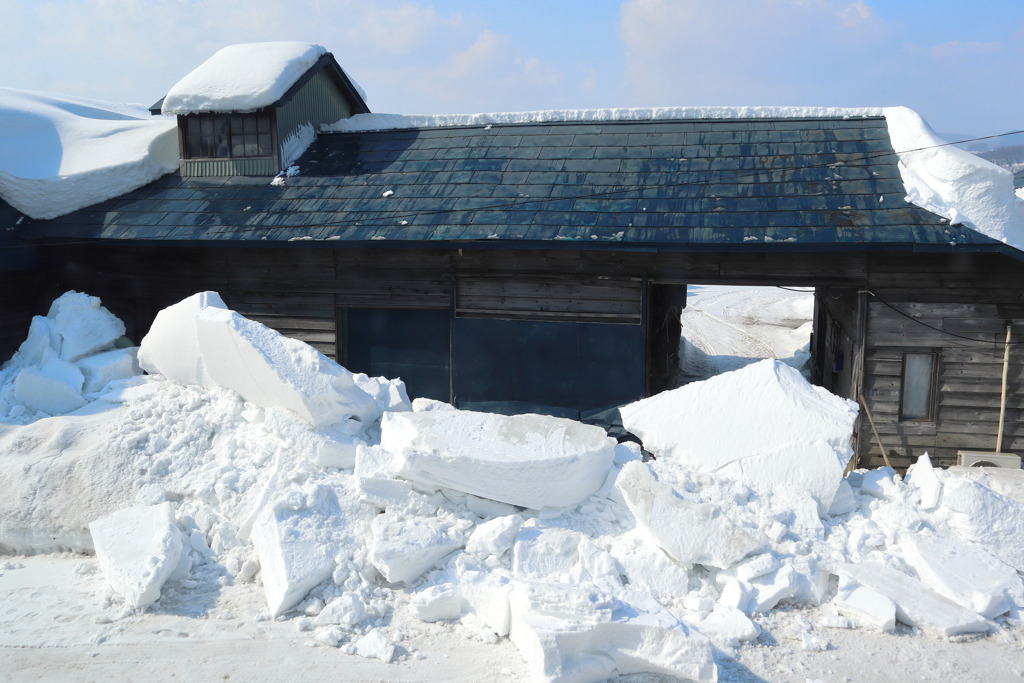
x,y
540,265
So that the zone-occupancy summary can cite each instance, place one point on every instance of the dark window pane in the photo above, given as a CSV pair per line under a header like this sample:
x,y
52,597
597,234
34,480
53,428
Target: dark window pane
x,y
236,125
250,125
206,124
264,145
263,123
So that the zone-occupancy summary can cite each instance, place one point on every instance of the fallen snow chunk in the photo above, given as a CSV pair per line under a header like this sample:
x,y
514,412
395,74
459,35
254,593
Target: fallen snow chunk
x,y
293,540
404,548
648,568
375,645
568,634
485,595
844,501
486,508
420,405
963,573
691,533
980,515
84,325
346,610
437,603
921,476
54,389
269,369
764,424
532,461
494,536
388,394
104,368
865,606
916,604
42,335
137,550
879,483
199,341
772,588
728,627
324,447
171,347
553,554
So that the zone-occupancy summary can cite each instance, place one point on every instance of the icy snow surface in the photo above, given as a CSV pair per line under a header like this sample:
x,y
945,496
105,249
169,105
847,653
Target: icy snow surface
x,y
242,78
60,153
222,519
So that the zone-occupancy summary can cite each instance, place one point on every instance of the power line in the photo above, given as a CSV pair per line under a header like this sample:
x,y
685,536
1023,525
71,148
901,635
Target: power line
x,y
937,329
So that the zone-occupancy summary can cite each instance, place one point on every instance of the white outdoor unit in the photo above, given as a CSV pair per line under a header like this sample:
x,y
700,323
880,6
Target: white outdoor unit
x,y
987,459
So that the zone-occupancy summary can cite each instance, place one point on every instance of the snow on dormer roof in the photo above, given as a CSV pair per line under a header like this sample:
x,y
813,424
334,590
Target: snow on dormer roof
x,y
242,78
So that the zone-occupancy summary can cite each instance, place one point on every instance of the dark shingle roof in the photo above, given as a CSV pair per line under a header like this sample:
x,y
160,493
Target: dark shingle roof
x,y
691,184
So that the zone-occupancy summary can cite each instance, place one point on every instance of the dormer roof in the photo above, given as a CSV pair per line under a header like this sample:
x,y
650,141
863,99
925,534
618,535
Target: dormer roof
x,y
251,76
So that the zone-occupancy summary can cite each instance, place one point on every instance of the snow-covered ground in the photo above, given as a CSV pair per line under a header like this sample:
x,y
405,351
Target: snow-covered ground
x,y
217,536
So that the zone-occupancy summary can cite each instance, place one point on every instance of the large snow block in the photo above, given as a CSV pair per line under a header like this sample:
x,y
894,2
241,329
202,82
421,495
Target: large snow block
x,y
84,325
533,461
269,369
983,516
171,347
137,550
567,633
689,532
404,548
294,541
916,604
964,573
764,424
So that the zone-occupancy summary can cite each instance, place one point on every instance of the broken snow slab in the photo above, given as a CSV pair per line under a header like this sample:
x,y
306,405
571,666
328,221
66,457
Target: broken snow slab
x,y
405,547
689,532
260,364
763,424
295,543
570,633
964,573
916,604
533,461
137,549
84,325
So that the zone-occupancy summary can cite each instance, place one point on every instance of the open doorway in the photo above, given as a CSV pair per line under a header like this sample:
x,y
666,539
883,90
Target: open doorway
x,y
725,328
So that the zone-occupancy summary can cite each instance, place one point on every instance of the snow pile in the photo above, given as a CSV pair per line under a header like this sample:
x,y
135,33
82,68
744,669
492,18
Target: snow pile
x,y
68,357
954,183
763,424
242,78
61,153
647,567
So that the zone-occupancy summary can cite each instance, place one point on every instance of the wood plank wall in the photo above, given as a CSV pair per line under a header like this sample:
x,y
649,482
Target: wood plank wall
x,y
968,380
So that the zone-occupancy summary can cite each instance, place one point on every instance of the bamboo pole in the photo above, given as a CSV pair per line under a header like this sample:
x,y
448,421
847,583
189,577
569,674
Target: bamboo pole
x,y
875,431
1002,399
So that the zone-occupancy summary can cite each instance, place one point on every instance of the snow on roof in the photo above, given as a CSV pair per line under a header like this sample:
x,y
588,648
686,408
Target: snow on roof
x,y
61,153
938,177
371,122
953,183
241,78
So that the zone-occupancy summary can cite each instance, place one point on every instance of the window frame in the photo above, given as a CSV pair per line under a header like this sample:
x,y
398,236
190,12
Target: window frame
x,y
201,134
932,386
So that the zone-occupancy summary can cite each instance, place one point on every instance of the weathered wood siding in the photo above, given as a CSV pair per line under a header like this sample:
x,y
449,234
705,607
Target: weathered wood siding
x,y
968,378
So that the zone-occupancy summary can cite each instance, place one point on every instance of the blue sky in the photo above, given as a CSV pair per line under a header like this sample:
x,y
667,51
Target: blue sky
x,y
957,62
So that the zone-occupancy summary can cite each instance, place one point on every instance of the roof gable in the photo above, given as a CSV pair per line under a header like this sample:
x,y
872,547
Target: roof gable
x,y
244,78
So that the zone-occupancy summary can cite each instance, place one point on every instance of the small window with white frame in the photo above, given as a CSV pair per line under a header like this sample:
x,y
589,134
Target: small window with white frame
x,y
917,386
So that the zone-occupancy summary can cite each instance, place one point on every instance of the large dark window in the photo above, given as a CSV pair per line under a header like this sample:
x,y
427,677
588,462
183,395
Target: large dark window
x,y
227,136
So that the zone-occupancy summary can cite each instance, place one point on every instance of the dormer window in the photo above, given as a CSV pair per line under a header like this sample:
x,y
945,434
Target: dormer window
x,y
227,136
